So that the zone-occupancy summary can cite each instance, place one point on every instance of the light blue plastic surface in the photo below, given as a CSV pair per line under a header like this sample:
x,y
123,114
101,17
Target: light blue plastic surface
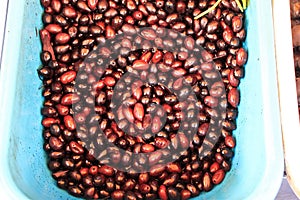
x,y
258,163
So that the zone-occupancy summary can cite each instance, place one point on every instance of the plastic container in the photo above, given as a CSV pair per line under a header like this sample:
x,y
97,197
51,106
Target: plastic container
x,y
258,162
287,92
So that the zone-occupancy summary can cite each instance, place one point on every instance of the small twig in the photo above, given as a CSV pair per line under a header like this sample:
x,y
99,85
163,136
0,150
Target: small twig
x,y
46,42
239,5
208,10
244,4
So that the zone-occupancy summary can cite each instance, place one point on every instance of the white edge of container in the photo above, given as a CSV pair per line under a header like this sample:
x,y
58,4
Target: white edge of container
x,y
287,92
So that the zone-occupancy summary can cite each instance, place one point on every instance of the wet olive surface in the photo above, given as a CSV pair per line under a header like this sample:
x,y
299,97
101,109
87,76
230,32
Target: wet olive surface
x,y
140,98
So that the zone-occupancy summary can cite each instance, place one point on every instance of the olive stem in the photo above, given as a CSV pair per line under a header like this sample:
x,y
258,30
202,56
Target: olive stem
x,y
240,5
244,4
208,10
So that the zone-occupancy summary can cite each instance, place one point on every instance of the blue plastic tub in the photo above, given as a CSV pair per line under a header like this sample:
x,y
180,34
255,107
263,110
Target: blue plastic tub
x,y
258,163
